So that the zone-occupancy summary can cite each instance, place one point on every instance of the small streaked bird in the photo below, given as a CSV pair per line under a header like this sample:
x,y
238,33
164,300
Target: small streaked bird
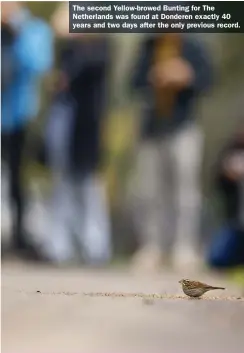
x,y
196,289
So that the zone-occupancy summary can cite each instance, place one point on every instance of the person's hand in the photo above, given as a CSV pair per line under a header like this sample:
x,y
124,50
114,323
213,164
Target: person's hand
x,y
176,73
234,167
7,10
63,81
58,82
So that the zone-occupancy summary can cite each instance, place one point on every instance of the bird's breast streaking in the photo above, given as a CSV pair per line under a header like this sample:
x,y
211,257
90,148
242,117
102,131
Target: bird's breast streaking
x,y
196,289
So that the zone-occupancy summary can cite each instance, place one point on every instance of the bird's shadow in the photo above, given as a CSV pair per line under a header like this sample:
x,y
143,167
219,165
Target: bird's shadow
x,y
193,298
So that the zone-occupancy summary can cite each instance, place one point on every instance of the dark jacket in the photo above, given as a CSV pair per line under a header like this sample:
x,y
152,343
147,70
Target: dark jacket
x,y
196,55
86,64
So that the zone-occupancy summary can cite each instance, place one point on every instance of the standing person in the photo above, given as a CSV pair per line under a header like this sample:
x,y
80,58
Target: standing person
x,y
231,178
227,248
78,207
171,73
26,56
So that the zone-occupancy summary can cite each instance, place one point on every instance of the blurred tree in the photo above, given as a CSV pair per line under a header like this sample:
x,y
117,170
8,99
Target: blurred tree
x,y
42,9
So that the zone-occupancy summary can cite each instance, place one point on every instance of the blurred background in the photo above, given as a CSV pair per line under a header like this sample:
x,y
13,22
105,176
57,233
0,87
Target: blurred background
x,y
91,125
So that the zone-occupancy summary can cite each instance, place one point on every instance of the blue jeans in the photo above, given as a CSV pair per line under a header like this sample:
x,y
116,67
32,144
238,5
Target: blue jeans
x,y
78,205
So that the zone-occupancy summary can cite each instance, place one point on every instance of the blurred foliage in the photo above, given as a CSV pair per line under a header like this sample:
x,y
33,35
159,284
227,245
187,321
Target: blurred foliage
x,y
41,8
236,275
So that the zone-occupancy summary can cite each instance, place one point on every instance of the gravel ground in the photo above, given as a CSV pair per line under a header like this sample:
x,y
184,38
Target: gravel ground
x,y
59,311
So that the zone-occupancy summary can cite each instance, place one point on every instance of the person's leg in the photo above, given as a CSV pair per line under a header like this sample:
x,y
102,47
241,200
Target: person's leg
x,y
20,244
92,220
167,191
58,245
5,199
147,206
15,154
241,216
187,152
5,210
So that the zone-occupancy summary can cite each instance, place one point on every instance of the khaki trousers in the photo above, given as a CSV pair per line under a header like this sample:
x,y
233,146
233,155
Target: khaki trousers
x,y
166,190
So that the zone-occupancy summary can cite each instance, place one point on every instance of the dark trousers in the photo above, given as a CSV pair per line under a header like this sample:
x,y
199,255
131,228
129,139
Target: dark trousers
x,y
12,152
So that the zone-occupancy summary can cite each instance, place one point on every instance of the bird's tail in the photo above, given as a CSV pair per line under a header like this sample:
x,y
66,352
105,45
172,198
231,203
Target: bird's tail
x,y
216,288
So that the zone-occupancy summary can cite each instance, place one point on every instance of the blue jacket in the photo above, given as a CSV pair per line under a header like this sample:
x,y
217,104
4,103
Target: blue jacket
x,y
31,56
197,56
